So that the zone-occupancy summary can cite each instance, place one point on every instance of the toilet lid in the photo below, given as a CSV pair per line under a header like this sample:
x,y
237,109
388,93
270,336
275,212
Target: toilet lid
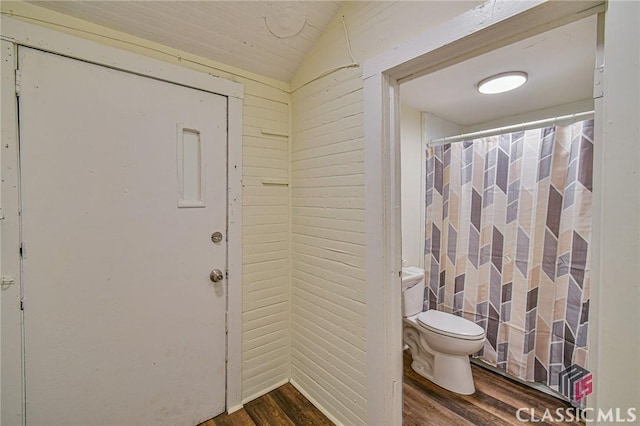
x,y
450,325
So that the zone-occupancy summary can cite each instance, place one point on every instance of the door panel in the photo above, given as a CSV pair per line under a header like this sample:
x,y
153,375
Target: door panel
x,y
122,323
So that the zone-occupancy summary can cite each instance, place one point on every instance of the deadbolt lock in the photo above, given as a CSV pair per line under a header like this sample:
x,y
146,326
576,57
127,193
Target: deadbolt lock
x,y
216,237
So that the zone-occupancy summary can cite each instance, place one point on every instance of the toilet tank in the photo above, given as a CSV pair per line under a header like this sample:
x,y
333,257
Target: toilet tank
x,y
412,294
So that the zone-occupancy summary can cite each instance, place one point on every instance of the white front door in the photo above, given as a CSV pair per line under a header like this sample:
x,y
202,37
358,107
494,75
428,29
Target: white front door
x,y
123,182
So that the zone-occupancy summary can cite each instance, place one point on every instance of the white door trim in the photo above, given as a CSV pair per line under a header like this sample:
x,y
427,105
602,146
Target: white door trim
x,y
12,383
20,33
487,27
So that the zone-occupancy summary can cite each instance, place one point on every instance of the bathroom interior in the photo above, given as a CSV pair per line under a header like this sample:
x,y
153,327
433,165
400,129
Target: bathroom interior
x,y
496,214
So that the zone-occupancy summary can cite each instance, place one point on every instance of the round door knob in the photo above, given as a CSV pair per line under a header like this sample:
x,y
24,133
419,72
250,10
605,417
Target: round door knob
x,y
216,275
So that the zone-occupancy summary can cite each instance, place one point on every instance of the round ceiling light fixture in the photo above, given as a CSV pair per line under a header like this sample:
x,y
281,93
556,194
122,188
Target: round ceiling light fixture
x,y
502,82
285,19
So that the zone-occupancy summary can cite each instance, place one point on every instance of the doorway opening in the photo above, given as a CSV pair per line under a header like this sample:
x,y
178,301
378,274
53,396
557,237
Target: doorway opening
x,y
383,77
499,218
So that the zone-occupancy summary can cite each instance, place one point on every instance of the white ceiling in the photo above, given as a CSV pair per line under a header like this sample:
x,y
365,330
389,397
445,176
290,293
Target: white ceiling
x,y
268,38
271,38
560,64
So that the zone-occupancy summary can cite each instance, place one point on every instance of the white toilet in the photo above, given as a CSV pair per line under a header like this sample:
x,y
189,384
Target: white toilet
x,y
440,342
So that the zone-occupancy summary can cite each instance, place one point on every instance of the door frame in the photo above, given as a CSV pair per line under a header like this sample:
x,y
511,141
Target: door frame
x,y
489,26
16,33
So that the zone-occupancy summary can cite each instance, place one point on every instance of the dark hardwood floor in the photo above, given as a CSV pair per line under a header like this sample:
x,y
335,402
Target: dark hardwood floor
x,y
284,406
494,403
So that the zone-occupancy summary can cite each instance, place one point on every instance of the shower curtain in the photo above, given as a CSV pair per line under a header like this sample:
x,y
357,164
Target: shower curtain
x,y
508,226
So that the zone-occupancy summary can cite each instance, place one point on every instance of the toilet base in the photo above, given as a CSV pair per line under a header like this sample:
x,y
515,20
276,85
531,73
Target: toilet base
x,y
451,372
457,375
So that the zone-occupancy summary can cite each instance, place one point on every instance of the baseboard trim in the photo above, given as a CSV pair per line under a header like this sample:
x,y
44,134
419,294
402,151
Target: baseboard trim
x,y
264,391
231,410
316,404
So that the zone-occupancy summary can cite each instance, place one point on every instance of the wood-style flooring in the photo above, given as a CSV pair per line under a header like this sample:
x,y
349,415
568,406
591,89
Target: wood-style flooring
x,y
494,403
284,406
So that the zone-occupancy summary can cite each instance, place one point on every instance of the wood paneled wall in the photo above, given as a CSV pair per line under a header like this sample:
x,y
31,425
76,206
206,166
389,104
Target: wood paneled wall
x,y
265,263
328,340
328,347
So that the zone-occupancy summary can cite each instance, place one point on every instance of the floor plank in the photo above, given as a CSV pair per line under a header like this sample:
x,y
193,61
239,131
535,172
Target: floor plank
x,y
238,418
266,412
494,403
462,405
419,409
298,408
285,406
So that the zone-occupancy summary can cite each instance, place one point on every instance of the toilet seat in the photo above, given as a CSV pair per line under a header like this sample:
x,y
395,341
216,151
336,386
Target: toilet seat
x,y
450,325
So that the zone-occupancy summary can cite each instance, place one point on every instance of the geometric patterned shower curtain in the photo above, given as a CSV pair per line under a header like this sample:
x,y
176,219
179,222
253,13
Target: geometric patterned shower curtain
x,y
508,227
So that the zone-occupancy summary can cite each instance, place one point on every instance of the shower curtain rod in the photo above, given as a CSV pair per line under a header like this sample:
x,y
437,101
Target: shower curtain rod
x,y
507,129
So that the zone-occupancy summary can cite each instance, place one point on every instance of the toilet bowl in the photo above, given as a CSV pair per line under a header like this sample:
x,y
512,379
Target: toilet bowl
x,y
440,343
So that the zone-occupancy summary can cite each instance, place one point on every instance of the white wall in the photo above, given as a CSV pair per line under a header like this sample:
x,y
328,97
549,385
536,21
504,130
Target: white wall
x,y
265,257
435,127
614,316
556,111
266,213
412,176
329,359
417,128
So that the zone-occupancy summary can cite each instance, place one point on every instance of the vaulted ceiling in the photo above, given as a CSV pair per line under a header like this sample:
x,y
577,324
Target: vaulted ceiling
x,y
267,38
272,38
